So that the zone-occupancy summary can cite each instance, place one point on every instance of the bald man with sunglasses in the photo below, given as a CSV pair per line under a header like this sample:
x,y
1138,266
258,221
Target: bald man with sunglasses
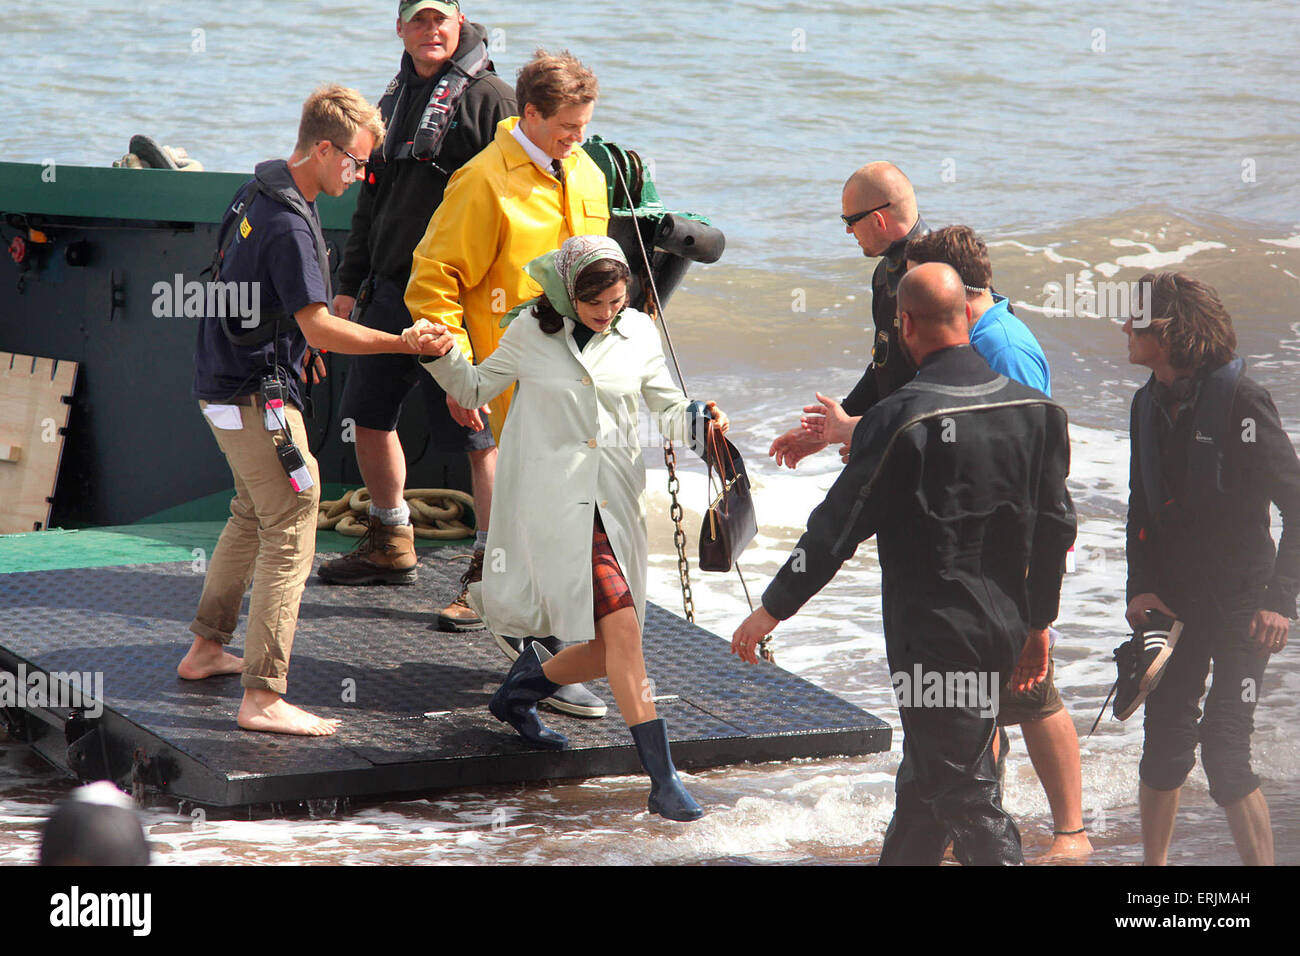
x,y
880,214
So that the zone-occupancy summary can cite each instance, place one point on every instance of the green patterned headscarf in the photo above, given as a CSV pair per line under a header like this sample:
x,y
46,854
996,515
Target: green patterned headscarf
x,y
557,272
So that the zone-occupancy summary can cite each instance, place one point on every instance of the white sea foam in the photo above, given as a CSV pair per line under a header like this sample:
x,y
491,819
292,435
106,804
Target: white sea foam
x,y
1153,258
1047,252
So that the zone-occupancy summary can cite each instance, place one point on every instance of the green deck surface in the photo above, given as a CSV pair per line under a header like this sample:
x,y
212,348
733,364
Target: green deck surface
x,y
179,535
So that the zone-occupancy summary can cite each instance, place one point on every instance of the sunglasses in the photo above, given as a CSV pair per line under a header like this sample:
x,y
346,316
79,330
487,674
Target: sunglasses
x,y
857,217
360,163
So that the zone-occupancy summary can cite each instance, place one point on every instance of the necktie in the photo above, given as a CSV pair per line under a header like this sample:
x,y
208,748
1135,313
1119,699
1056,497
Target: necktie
x,y
558,170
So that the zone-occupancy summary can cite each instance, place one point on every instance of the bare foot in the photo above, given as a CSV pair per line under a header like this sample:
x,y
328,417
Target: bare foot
x,y
208,659
1076,846
278,716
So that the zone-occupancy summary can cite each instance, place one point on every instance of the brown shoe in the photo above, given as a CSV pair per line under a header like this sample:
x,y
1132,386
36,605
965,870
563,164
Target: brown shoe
x,y
385,555
458,615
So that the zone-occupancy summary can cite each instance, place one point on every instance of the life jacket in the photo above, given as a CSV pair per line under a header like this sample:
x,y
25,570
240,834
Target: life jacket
x,y
273,180
1212,424
470,62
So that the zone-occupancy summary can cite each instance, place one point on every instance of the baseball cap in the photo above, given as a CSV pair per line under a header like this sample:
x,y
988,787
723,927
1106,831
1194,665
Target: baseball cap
x,y
409,8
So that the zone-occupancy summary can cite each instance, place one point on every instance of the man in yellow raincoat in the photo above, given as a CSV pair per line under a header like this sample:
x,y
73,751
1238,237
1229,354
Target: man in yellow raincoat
x,y
529,190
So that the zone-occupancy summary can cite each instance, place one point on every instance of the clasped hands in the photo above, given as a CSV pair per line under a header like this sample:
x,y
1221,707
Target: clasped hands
x,y
432,340
428,339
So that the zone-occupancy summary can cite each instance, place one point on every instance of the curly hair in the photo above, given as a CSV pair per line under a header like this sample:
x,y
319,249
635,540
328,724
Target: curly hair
x,y
959,247
1188,318
592,281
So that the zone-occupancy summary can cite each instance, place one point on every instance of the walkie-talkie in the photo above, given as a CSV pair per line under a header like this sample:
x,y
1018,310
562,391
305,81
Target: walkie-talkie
x,y
273,403
293,465
273,392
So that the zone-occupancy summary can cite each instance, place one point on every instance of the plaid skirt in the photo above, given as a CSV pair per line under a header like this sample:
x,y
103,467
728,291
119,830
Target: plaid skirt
x,y
609,588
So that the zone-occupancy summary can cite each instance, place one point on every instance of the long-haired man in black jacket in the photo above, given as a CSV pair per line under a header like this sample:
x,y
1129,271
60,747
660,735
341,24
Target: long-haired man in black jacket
x,y
1208,456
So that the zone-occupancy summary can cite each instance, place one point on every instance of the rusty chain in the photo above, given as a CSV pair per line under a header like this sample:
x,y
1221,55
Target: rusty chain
x,y
654,307
683,568
679,536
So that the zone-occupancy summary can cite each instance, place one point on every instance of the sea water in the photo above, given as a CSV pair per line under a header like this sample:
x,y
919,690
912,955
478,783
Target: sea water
x,y
1088,143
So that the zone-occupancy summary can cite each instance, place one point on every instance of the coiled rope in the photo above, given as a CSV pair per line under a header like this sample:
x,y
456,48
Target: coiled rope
x,y
436,513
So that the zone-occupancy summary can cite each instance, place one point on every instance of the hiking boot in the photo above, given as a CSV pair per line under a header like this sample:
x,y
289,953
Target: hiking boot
x,y
1141,661
458,615
384,555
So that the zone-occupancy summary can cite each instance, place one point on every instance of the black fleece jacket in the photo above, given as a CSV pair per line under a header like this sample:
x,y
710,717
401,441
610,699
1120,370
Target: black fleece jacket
x,y
398,200
890,369
1209,561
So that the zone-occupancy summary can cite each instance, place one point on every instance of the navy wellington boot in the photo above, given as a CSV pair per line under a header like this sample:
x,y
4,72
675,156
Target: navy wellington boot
x,y
515,702
668,797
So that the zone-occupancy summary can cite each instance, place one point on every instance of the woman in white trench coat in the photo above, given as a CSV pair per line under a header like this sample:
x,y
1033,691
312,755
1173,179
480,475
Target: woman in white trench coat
x,y
567,553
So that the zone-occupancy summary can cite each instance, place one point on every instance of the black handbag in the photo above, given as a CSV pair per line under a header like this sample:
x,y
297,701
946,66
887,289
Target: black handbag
x,y
730,523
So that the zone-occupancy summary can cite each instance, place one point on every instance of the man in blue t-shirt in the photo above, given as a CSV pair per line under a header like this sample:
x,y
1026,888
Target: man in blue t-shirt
x,y
266,310
1005,342
995,333
1010,349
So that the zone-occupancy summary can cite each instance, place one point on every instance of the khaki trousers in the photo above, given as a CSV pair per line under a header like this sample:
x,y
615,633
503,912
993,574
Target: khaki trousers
x,y
270,540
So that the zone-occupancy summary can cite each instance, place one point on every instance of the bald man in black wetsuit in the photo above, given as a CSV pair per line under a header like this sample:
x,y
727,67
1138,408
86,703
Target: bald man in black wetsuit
x,y
961,476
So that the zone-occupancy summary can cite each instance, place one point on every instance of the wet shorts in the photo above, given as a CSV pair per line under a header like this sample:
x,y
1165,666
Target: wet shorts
x,y
609,588
1175,721
1042,701
377,385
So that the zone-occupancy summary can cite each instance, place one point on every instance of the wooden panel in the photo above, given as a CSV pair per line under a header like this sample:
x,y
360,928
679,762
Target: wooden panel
x,y
33,415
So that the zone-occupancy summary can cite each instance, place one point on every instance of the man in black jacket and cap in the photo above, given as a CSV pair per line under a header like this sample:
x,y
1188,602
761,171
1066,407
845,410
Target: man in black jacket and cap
x,y
441,110
961,475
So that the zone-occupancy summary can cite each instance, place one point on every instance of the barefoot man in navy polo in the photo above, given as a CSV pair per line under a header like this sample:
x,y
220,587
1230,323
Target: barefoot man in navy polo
x,y
246,380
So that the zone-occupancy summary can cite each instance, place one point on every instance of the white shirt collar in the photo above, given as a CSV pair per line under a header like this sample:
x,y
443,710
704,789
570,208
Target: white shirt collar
x,y
534,152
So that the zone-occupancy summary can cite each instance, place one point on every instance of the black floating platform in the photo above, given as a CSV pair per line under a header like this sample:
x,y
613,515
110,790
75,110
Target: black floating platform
x,y
413,700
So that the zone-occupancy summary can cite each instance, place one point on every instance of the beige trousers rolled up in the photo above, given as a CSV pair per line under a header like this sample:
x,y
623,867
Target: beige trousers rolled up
x,y
269,540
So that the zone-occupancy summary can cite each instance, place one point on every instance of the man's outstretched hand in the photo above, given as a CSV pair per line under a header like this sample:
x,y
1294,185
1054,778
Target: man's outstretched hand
x,y
428,339
827,421
794,446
